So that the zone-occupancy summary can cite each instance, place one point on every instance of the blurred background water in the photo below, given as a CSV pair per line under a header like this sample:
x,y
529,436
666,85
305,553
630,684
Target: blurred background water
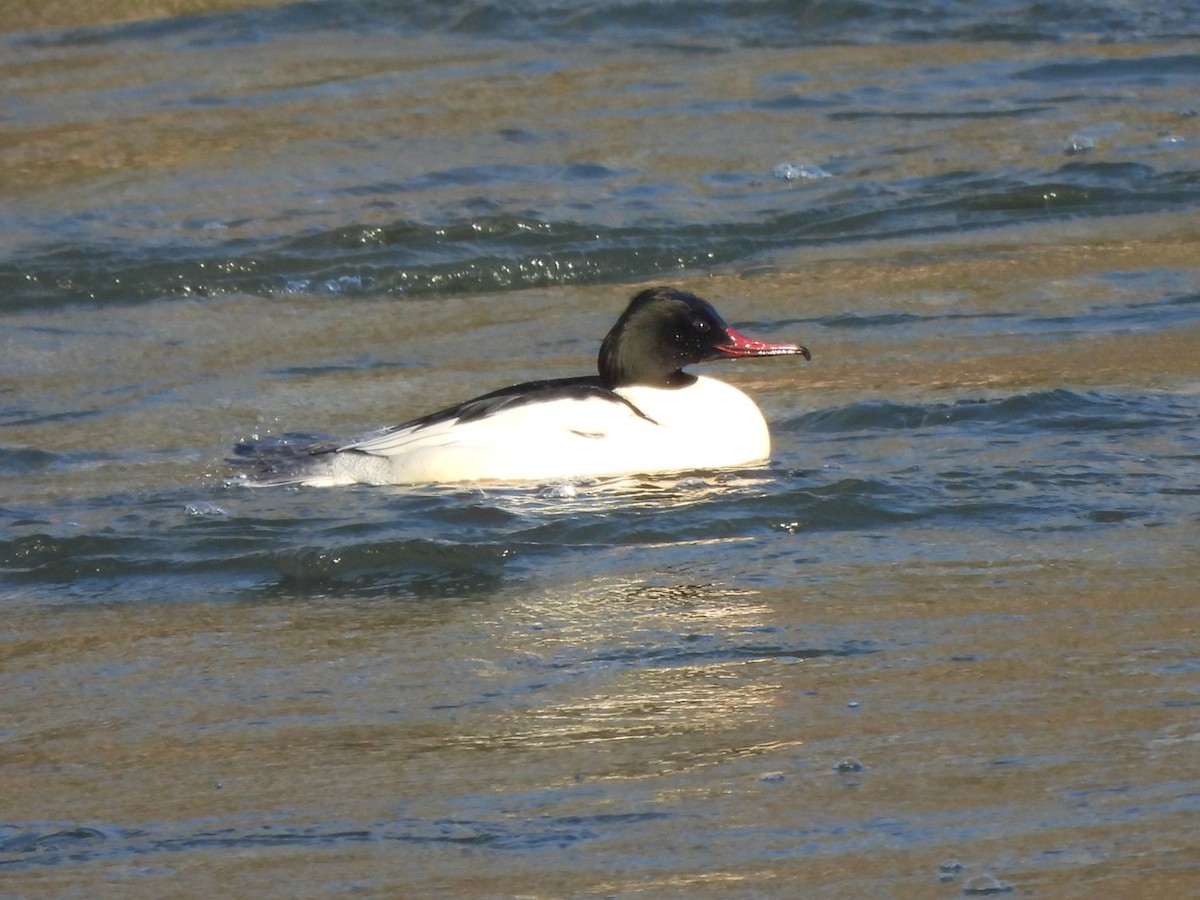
x,y
945,643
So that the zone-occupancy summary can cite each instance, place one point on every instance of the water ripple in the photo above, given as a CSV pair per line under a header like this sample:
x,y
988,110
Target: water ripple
x,y
1056,459
751,23
502,250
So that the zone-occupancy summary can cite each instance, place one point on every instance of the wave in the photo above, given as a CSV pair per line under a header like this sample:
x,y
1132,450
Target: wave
x,y
500,250
1037,462
711,23
1050,411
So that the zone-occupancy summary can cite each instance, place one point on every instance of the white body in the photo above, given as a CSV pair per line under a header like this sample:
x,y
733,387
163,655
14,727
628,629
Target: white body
x,y
706,425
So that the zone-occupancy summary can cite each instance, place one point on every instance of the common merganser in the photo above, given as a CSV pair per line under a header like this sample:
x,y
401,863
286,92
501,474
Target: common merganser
x,y
642,414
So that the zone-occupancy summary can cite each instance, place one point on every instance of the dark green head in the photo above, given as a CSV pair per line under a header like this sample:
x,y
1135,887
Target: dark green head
x,y
664,329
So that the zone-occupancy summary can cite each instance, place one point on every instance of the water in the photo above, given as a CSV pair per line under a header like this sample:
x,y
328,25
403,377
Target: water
x,y
944,643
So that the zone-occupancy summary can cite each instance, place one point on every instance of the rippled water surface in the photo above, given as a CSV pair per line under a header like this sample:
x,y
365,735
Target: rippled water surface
x,y
944,644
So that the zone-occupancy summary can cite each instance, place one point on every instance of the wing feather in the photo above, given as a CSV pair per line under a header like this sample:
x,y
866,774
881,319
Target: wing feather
x,y
446,427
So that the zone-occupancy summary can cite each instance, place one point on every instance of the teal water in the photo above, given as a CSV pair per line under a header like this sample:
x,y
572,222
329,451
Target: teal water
x,y
954,616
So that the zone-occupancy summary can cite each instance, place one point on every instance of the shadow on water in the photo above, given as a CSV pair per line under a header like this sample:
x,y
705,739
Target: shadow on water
x,y
30,847
1059,410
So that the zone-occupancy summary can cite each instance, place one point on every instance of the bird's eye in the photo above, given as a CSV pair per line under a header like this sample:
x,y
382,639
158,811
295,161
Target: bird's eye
x,y
702,325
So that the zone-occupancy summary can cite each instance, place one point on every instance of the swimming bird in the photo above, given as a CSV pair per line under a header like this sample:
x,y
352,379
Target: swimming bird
x,y
640,414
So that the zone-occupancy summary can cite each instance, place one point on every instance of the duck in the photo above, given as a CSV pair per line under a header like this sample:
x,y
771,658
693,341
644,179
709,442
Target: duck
x,y
640,414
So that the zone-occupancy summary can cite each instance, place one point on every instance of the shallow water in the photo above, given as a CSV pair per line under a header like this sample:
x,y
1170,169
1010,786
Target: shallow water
x,y
945,643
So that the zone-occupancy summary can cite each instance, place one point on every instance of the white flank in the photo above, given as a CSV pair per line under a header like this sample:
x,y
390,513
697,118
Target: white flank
x,y
707,425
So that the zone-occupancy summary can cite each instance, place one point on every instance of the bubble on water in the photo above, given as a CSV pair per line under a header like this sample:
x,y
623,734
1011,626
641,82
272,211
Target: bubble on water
x,y
799,172
563,491
348,284
949,870
1077,144
849,764
204,509
1085,139
772,776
